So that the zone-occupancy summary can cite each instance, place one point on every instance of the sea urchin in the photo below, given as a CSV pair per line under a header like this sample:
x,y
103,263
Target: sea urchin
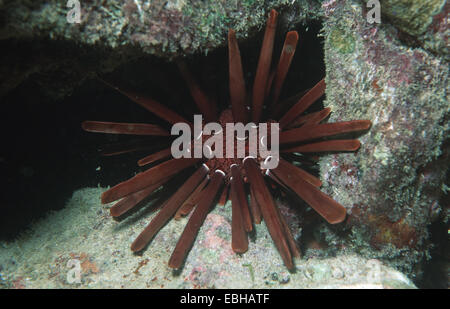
x,y
298,133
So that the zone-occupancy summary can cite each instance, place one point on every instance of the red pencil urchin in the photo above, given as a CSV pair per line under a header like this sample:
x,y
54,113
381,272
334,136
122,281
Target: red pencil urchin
x,y
299,133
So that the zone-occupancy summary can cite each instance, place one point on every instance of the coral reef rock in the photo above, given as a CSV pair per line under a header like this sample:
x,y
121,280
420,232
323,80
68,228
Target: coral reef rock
x,y
81,247
111,32
392,186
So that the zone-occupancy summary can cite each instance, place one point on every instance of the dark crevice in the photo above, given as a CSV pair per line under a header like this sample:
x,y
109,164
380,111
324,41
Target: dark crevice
x,y
46,156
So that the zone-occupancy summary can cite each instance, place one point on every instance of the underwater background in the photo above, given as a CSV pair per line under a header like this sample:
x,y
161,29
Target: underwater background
x,y
394,188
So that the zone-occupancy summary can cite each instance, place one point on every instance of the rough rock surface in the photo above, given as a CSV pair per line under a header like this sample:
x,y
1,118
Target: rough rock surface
x,y
84,235
426,21
392,186
113,32
164,28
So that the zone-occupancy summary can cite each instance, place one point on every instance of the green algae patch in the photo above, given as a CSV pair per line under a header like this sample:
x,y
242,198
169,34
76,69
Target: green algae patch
x,y
343,42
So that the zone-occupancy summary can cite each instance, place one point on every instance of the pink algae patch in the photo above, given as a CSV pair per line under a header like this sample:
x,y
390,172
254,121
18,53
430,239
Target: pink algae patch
x,y
214,241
